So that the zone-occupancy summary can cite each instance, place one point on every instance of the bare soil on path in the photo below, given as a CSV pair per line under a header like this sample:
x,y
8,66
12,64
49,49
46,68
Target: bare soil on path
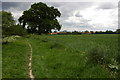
x,y
31,76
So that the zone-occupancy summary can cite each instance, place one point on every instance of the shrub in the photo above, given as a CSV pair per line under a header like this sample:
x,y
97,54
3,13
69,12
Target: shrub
x,y
45,40
118,58
98,55
9,39
18,30
14,30
56,45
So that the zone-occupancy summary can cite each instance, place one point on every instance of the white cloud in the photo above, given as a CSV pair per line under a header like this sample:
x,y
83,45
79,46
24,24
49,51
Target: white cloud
x,y
60,1
79,15
93,18
101,18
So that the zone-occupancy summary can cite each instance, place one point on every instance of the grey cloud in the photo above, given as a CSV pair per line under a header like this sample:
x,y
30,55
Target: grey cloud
x,y
16,8
76,26
106,5
7,5
66,8
78,15
17,5
83,24
55,4
119,15
0,6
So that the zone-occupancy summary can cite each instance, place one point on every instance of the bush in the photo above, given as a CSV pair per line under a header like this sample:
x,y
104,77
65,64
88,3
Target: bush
x,y
18,30
45,40
14,30
9,39
118,58
98,55
56,45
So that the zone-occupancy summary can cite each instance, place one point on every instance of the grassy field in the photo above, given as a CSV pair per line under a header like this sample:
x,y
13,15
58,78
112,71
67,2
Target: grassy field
x,y
15,59
63,56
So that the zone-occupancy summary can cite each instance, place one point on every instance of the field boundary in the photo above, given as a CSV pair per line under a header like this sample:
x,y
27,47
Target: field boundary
x,y
31,76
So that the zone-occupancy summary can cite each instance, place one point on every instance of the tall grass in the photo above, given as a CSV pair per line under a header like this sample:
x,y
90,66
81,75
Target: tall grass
x,y
73,56
63,56
15,59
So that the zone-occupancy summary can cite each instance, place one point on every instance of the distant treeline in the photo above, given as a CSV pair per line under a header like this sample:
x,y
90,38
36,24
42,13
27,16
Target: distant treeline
x,y
9,26
87,32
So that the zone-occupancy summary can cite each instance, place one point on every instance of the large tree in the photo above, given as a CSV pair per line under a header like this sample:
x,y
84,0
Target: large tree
x,y
40,18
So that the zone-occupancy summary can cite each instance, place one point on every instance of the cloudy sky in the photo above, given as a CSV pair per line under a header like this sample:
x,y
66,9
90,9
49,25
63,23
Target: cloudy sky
x,y
78,16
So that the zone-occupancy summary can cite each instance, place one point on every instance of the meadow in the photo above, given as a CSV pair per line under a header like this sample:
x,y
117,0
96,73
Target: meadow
x,y
63,56
15,59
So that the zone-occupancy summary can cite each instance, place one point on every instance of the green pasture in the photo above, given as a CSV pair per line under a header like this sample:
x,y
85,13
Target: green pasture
x,y
62,56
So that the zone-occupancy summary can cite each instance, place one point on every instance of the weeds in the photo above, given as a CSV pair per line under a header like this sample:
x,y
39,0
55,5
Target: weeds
x,y
56,45
45,40
9,39
98,55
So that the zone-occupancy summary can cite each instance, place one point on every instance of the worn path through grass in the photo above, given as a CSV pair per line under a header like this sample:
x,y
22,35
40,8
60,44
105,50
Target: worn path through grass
x,y
31,76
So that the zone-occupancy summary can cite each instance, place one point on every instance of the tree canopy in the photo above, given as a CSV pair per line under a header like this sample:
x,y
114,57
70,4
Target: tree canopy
x,y
8,25
40,18
7,22
118,31
7,19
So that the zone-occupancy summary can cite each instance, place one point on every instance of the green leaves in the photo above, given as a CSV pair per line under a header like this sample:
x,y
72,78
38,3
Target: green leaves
x,y
40,18
118,31
7,22
7,19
